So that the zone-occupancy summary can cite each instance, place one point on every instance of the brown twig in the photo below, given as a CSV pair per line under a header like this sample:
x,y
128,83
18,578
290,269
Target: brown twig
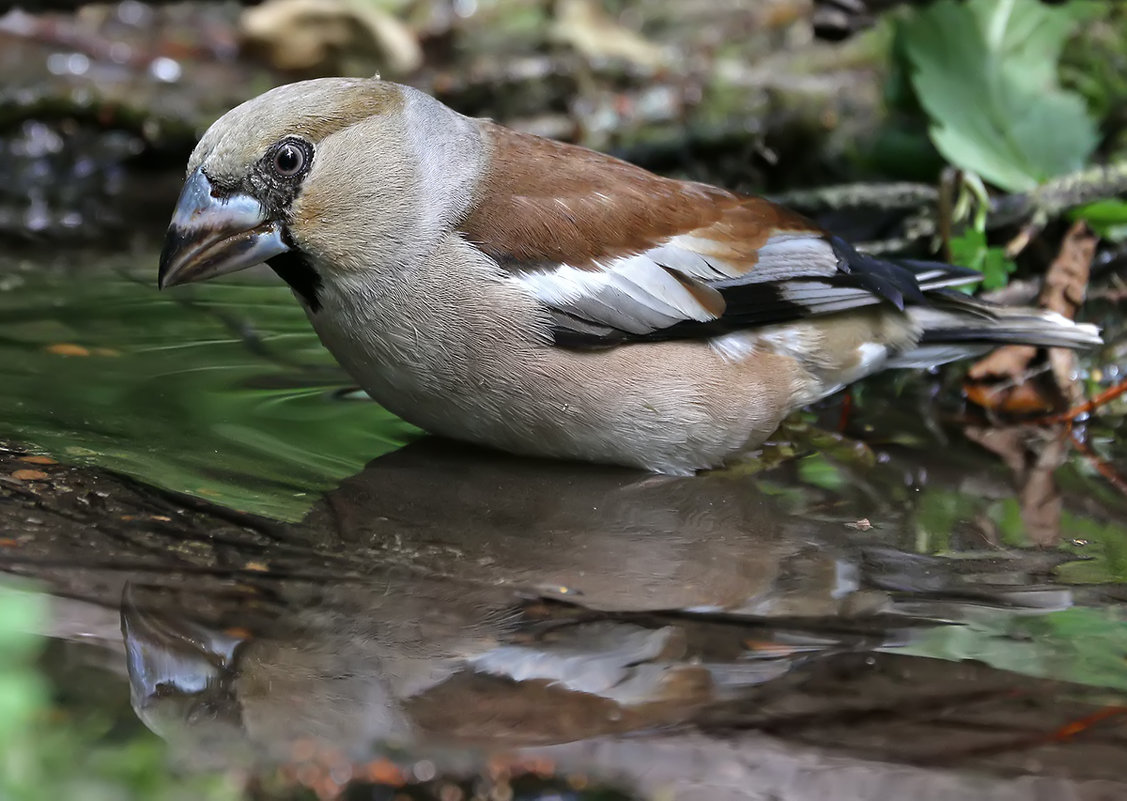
x,y
1102,467
1069,415
846,411
1061,735
1070,730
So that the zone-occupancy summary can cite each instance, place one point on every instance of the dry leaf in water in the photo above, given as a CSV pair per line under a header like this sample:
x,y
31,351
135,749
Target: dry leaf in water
x,y
1010,379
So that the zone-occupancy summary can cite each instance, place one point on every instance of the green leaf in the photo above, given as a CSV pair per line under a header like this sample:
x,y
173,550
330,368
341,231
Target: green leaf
x,y
820,472
986,73
1108,218
970,250
1080,645
996,269
20,613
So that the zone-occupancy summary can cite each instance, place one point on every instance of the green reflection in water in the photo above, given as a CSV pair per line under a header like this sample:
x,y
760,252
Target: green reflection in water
x,y
1081,645
221,390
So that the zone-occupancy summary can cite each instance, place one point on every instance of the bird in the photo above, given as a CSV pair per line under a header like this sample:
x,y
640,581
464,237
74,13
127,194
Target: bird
x,y
541,298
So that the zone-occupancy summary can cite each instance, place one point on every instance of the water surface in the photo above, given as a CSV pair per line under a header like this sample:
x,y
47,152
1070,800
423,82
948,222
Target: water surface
x,y
243,568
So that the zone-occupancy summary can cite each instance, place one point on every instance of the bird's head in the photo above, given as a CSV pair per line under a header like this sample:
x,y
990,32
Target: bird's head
x,y
321,179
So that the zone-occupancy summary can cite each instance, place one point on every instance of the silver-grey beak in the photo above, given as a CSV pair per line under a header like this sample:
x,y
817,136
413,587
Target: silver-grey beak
x,y
211,235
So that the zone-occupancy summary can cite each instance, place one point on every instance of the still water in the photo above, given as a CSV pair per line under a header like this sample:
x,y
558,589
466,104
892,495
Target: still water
x,y
229,575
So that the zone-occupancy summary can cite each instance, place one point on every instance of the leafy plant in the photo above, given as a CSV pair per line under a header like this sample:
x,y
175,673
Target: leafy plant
x,y
1080,645
1108,218
970,250
986,73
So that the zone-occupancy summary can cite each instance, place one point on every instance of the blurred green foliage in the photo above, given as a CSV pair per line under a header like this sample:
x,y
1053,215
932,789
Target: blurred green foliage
x,y
45,755
1108,218
986,73
970,249
22,692
1081,645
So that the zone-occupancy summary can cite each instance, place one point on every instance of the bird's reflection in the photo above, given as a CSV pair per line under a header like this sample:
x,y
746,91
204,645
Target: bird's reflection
x,y
492,599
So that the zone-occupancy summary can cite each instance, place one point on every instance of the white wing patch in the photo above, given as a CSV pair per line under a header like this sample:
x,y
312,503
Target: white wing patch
x,y
795,256
734,347
638,294
784,340
631,294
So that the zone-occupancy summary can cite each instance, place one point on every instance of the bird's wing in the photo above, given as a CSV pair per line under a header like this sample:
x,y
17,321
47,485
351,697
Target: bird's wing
x,y
617,254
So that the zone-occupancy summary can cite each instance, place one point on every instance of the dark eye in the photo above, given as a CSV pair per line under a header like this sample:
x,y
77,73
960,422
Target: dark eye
x,y
289,160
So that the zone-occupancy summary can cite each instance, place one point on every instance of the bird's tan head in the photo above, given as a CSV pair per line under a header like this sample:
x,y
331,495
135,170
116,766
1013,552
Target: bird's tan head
x,y
308,177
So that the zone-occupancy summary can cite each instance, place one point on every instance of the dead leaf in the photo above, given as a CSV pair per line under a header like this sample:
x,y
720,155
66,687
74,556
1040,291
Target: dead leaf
x,y
1066,282
861,525
29,475
768,647
597,36
37,460
1024,396
67,349
330,37
257,567
1009,362
1033,455
1009,380
1039,497
383,771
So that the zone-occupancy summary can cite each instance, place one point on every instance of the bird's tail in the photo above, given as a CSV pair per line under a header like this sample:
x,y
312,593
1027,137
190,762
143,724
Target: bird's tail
x,y
956,325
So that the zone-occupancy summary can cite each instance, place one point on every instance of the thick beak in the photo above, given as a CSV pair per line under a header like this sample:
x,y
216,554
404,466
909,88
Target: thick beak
x,y
211,235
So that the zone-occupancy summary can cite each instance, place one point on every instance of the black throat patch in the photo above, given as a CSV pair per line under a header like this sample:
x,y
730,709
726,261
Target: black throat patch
x,y
294,268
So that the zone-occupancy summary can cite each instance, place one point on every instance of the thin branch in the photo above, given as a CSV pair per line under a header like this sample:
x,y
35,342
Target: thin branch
x,y
1104,397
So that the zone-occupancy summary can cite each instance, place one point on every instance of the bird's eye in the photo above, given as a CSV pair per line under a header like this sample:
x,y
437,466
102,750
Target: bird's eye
x,y
289,160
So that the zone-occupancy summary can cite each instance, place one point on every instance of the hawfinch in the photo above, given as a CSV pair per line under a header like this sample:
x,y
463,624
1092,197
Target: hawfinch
x,y
545,299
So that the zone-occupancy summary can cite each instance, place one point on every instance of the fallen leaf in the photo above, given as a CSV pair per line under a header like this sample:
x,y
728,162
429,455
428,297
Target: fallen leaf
x,y
768,647
587,27
256,566
29,475
330,37
383,771
861,525
1019,398
1033,455
67,349
1010,379
37,460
